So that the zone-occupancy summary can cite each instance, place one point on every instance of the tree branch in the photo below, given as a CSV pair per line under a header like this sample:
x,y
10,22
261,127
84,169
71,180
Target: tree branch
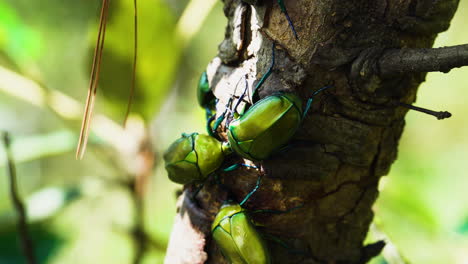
x,y
26,242
437,114
403,61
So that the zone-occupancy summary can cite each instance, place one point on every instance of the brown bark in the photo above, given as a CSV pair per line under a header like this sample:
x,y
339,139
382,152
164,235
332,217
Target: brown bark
x,y
347,142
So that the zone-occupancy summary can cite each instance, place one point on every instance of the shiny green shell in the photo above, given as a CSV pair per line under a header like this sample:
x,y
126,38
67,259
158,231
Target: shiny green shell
x,y
266,127
237,237
205,96
193,157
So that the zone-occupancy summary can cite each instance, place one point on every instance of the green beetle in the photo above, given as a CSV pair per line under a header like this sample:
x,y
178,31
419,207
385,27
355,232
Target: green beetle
x,y
237,237
193,157
266,127
213,124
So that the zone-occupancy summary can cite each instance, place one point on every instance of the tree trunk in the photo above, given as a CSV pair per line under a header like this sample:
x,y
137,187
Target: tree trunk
x,y
345,144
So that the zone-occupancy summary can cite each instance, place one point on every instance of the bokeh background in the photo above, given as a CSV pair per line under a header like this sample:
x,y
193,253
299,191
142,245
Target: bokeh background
x,y
94,210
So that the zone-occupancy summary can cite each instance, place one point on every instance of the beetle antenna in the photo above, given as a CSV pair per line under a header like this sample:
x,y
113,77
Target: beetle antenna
x,y
267,74
220,119
439,115
285,12
311,98
93,83
135,49
259,179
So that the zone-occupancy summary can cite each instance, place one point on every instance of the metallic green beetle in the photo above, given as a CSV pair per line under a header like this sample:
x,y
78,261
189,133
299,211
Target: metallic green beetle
x,y
266,127
237,237
193,157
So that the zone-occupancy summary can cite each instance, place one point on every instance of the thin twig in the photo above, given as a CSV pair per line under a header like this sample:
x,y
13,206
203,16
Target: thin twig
x,y
146,157
93,82
439,115
135,52
139,234
25,239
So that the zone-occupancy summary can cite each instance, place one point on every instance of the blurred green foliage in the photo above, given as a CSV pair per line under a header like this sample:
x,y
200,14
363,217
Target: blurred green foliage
x,y
53,47
47,244
423,206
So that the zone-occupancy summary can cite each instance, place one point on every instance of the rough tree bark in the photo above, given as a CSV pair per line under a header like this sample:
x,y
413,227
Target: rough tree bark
x,y
375,53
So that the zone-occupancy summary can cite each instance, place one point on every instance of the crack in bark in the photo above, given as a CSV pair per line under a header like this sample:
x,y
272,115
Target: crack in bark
x,y
356,204
340,186
246,35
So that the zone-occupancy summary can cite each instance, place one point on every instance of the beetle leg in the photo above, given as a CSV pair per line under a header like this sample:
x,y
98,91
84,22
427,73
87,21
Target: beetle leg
x,y
220,119
265,76
285,12
208,113
239,100
210,116
309,101
235,166
257,185
208,126
234,110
